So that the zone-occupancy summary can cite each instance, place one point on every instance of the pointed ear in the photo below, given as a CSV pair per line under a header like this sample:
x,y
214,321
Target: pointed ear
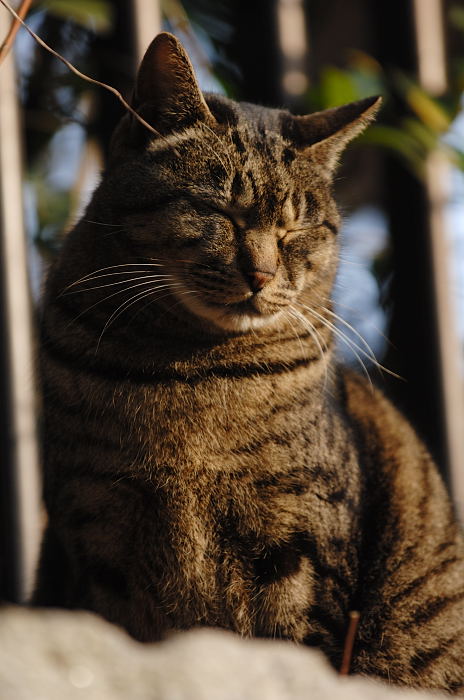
x,y
167,94
325,134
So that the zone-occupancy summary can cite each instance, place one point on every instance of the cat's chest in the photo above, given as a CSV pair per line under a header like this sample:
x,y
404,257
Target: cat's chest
x,y
261,458
263,425
230,507
233,545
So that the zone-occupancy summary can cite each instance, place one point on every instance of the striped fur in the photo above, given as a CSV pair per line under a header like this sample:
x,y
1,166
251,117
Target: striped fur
x,y
207,461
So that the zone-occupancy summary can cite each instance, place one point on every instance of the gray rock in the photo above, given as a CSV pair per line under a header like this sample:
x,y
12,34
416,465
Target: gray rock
x,y
59,655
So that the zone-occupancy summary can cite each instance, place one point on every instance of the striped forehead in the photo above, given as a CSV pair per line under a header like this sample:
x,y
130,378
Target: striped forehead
x,y
170,141
261,201
255,160
261,182
255,140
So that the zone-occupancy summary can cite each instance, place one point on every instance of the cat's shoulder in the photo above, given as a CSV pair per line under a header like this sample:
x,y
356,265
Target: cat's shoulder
x,y
381,425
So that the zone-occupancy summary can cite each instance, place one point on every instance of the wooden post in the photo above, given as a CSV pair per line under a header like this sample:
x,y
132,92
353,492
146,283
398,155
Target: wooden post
x,y
19,467
147,24
431,69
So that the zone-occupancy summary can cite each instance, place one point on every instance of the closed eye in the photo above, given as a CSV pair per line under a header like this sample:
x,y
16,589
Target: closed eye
x,y
289,233
299,229
205,207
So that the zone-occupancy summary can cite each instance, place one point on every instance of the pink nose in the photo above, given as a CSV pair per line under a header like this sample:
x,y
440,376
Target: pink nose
x,y
257,279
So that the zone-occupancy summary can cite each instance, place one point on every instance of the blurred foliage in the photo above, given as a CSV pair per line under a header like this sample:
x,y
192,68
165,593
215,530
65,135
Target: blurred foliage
x,y
209,26
361,78
96,15
53,97
412,123
52,209
456,17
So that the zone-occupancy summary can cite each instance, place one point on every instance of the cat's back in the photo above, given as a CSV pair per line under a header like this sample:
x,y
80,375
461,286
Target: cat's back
x,y
412,561
402,484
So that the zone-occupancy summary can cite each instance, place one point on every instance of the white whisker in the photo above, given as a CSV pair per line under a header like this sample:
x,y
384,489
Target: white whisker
x,y
353,330
129,302
315,336
354,311
110,267
351,344
110,296
179,301
370,354
194,263
228,171
152,278
289,317
101,223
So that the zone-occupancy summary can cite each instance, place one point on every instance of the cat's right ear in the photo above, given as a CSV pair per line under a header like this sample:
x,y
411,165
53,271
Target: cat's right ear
x,y
167,94
325,134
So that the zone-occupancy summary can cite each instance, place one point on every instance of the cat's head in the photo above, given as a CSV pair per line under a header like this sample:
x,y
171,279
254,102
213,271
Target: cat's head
x,y
232,201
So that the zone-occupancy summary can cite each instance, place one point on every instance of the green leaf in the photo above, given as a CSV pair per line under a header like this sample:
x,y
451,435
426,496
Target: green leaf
x,y
399,142
456,16
336,87
367,84
459,155
426,137
96,15
366,74
429,110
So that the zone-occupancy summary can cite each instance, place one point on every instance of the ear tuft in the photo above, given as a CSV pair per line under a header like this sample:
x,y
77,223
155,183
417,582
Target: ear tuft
x,y
167,93
325,134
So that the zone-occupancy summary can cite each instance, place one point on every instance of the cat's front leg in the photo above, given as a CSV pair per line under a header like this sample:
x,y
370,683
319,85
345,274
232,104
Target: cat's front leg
x,y
96,555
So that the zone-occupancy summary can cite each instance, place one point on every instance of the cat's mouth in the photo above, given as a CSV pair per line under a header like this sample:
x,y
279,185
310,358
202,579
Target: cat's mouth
x,y
241,316
247,306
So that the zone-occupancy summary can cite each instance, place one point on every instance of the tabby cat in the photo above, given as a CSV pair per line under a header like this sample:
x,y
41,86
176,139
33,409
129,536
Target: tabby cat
x,y
207,461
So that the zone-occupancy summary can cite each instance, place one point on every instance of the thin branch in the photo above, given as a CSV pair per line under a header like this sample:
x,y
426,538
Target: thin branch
x,y
349,643
78,72
15,25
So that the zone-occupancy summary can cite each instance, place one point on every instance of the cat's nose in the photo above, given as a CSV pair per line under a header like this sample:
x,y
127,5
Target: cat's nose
x,y
257,279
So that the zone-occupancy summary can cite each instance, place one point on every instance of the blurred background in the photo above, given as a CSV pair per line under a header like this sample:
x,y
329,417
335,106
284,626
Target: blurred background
x,y
400,288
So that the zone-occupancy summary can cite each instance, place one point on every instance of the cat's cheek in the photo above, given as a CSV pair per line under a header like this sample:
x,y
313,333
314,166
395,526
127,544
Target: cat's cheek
x,y
296,260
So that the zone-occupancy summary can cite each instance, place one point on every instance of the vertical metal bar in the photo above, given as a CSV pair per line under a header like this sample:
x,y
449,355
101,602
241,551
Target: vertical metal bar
x,y
293,41
147,23
20,449
431,63
430,45
255,50
438,176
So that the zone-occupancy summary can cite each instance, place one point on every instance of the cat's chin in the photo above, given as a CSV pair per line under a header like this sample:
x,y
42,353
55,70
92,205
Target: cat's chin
x,y
228,319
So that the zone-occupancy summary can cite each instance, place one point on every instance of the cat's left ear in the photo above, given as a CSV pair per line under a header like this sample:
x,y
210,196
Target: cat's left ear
x,y
167,93
325,134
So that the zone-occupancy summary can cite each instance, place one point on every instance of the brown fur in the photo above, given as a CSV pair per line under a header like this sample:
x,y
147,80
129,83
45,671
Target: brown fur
x,y
207,461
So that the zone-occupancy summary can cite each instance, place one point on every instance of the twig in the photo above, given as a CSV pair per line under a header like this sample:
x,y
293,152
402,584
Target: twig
x,y
78,72
349,642
15,25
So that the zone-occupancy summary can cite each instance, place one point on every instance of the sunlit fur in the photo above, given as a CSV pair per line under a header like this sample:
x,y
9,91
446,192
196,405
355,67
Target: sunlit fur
x,y
207,461
224,317
228,206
